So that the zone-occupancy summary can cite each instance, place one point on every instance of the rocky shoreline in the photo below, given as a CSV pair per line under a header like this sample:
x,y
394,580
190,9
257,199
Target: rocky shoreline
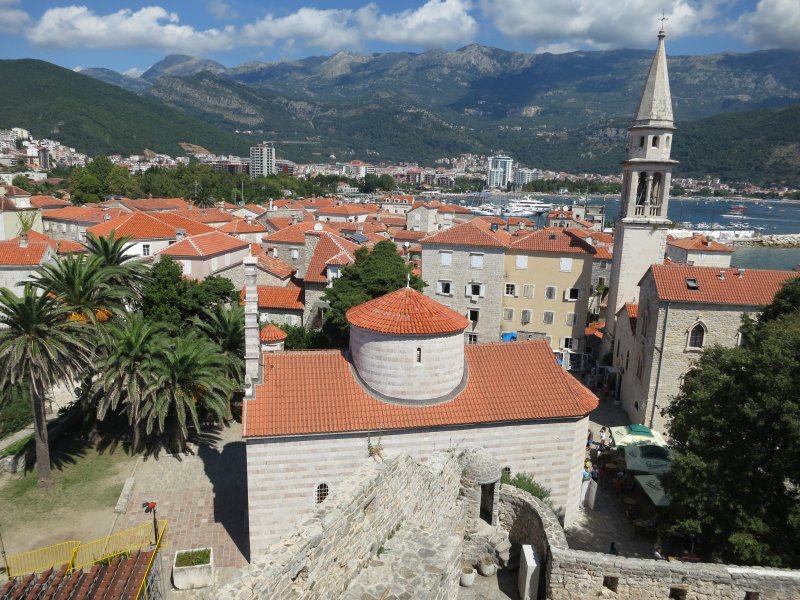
x,y
790,240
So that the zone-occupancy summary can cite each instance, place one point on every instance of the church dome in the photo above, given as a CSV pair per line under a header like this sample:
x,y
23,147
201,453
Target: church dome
x,y
406,312
408,348
482,467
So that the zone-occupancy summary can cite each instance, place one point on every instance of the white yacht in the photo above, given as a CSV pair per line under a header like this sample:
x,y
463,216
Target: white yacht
x,y
527,206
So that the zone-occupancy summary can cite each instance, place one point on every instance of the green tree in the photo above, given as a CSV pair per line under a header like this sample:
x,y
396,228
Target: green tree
x,y
39,348
22,182
190,374
126,370
112,252
735,432
372,274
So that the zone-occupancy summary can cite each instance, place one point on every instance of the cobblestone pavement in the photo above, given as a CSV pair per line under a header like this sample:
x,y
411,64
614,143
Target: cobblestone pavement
x,y
203,496
500,586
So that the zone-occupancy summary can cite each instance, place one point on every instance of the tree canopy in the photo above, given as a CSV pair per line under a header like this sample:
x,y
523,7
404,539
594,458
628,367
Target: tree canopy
x,y
735,429
372,274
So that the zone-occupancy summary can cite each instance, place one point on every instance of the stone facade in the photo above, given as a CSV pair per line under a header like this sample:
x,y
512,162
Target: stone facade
x,y
661,343
461,276
235,273
412,368
698,258
283,473
313,304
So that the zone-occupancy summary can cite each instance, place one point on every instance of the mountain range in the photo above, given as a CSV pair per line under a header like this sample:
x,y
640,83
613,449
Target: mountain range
x,y
565,112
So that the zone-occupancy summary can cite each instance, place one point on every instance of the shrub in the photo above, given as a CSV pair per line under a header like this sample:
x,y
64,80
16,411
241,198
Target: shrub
x,y
193,558
527,483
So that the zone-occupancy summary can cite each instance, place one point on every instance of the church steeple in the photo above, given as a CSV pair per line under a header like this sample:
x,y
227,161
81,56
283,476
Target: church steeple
x,y
655,105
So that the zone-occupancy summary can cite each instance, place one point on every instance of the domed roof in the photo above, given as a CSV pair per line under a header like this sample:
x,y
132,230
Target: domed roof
x,y
406,312
482,466
271,333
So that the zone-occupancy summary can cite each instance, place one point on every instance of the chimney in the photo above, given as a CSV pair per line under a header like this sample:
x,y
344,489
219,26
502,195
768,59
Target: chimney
x,y
106,217
360,228
740,272
252,343
295,218
220,205
722,275
270,204
191,204
23,240
248,219
180,234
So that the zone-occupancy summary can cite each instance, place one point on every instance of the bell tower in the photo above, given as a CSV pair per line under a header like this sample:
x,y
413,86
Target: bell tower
x,y
640,230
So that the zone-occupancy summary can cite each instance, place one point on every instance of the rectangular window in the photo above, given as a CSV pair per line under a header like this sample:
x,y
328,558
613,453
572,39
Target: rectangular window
x,y
473,314
477,290
547,317
570,320
569,343
565,265
443,288
508,314
603,264
527,290
572,294
550,292
445,259
294,253
476,261
511,289
145,249
472,338
526,317
522,261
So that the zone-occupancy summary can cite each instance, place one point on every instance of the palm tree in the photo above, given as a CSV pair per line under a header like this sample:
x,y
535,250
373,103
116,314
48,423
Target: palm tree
x,y
91,290
39,347
225,327
190,374
126,369
113,252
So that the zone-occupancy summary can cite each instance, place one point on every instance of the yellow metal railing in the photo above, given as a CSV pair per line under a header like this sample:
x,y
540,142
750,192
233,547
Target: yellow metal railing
x,y
41,559
78,555
143,593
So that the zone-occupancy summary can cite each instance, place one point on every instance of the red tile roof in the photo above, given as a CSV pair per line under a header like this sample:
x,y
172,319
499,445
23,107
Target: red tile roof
x,y
633,314
315,392
295,234
205,215
270,264
11,253
344,210
83,214
155,204
205,244
472,233
271,333
272,296
48,202
595,329
406,312
241,226
698,242
749,288
552,239
403,235
12,190
60,246
147,226
331,250
454,208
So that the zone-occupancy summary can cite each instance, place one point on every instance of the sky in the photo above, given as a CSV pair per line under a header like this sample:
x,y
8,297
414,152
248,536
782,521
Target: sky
x,y
129,36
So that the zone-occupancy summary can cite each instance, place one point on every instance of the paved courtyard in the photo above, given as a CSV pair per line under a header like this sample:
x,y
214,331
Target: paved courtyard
x,y
203,496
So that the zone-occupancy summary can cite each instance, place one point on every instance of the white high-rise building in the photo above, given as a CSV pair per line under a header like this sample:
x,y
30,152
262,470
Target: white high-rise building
x,y
499,171
523,176
262,160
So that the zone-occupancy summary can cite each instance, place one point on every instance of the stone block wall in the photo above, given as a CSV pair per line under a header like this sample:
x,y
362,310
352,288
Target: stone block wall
x,y
337,539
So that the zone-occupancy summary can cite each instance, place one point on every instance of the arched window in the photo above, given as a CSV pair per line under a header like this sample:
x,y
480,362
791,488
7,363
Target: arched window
x,y
321,493
655,192
641,191
666,141
697,336
655,141
419,355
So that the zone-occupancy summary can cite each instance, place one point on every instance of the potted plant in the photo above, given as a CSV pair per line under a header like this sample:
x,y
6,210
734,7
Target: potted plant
x,y
486,565
467,575
193,569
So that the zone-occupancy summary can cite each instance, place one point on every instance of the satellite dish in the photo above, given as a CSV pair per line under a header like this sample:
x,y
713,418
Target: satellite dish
x,y
565,208
318,227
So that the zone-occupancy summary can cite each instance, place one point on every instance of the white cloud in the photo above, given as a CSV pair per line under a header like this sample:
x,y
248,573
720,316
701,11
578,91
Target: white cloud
x,y
12,20
222,10
150,27
329,29
598,24
773,24
133,72
434,24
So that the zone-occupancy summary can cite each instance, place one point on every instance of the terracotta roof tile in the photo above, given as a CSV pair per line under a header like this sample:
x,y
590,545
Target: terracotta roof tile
x,y
315,392
48,202
413,236
239,226
344,210
295,234
750,287
603,253
155,204
595,329
271,333
205,244
272,296
331,250
552,239
83,214
275,266
632,309
11,253
698,242
472,233
454,208
147,226
60,246
205,215
406,312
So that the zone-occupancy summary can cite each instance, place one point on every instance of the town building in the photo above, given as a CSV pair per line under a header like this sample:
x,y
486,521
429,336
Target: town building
x,y
262,160
149,232
204,254
72,222
699,250
19,259
407,384
498,171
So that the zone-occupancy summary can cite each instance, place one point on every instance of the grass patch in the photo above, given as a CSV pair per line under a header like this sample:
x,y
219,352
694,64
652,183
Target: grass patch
x,y
17,447
527,483
193,558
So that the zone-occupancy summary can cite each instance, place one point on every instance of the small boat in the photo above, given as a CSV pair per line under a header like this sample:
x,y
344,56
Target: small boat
x,y
740,208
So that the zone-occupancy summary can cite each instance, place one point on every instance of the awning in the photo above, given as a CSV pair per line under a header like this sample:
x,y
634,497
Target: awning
x,y
652,487
636,434
647,458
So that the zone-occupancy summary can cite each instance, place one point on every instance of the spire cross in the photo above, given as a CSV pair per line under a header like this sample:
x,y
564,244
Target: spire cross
x,y
662,19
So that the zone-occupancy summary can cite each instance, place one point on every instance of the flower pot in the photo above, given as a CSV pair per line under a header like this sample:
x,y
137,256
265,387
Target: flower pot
x,y
195,576
467,576
487,569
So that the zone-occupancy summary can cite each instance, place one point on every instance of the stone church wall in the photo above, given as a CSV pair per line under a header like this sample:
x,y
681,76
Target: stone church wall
x,y
334,541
